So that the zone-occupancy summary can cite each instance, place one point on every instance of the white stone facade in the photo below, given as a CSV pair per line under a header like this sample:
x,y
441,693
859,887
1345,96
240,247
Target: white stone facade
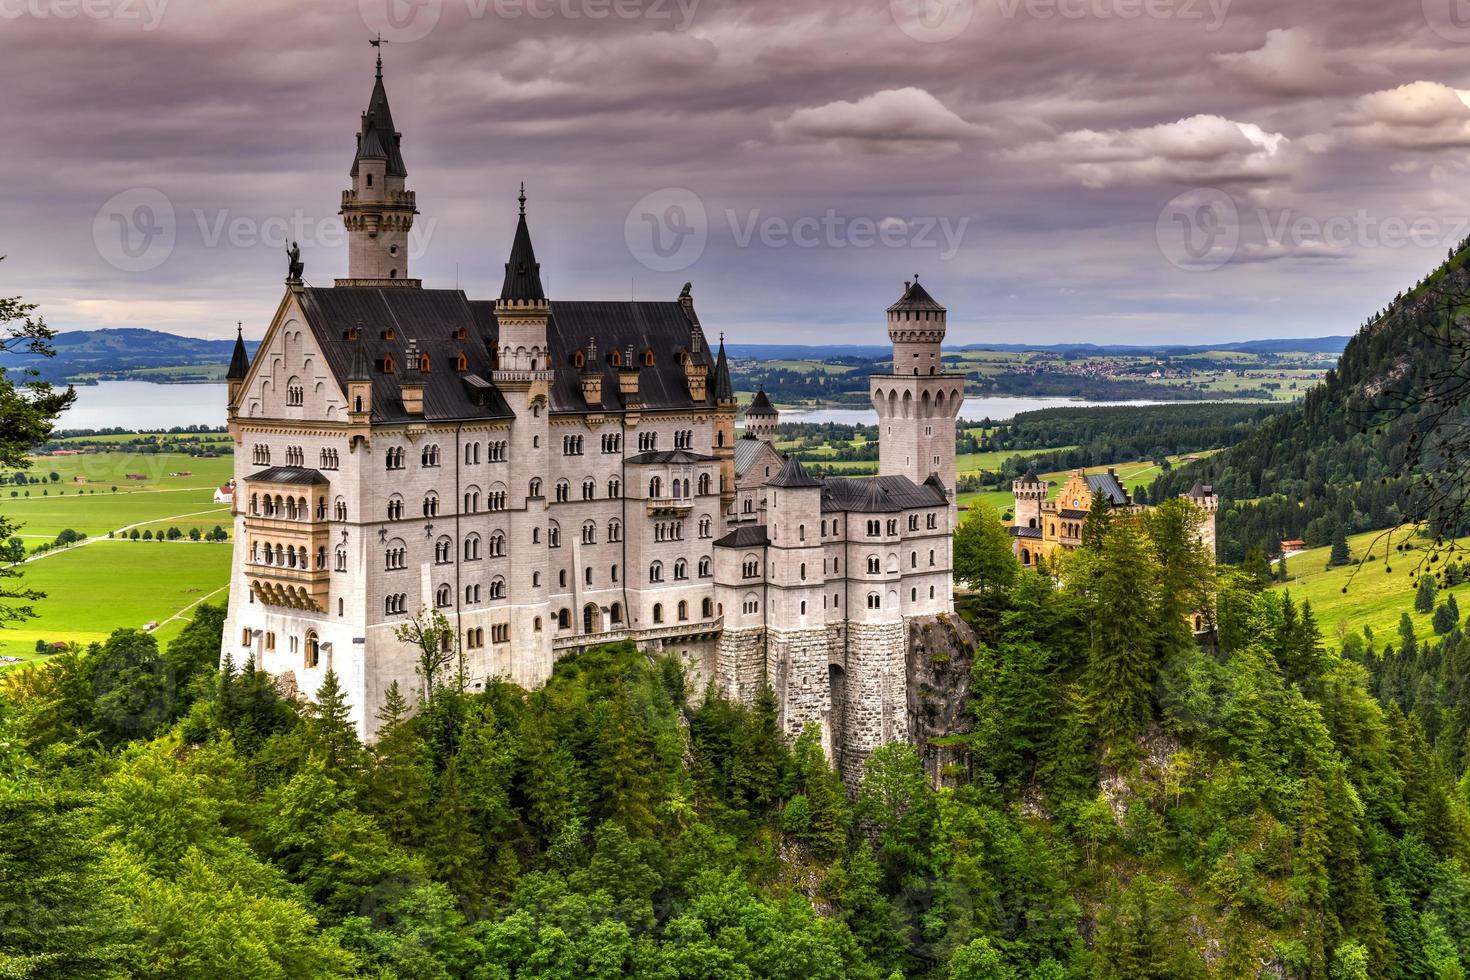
x,y
550,475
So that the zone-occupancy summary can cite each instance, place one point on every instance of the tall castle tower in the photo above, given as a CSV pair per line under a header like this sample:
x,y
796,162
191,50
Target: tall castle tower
x,y
761,418
378,210
917,403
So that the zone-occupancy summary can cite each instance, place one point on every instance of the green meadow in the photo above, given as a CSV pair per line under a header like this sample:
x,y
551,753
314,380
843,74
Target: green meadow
x,y
1378,589
102,585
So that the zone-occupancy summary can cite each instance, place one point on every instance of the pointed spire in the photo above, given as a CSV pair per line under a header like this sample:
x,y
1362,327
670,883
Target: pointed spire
x,y
522,272
724,390
760,405
793,476
362,366
378,140
239,361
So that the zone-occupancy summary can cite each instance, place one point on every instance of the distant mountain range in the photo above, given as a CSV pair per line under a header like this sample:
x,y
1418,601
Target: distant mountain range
x,y
122,351
1314,345
126,351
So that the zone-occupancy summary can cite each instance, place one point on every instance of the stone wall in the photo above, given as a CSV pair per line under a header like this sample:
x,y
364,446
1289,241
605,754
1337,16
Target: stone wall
x,y
797,662
876,711
740,663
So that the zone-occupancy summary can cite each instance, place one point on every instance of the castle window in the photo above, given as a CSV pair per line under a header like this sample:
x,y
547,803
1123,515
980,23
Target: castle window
x,y
874,565
461,334
589,489
648,358
395,508
461,363
497,588
424,363
617,359
705,527
803,607
614,531
553,535
874,600
497,545
589,532
564,619
535,488
704,484
658,612
395,458
802,571
681,569
587,575
656,572
443,551
500,633
579,359
705,567
443,596
563,491
931,557
615,613
707,608
472,548
613,571
683,610
431,504
614,488
370,180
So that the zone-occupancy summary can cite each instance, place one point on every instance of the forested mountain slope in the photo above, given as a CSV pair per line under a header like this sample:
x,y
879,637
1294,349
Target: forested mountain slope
x,y
1339,460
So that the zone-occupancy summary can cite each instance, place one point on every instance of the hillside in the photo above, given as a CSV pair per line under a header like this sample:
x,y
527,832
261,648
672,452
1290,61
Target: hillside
x,y
1338,461
112,352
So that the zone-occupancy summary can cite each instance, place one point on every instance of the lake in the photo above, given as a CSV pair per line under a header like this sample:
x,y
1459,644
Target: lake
x,y
996,407
144,405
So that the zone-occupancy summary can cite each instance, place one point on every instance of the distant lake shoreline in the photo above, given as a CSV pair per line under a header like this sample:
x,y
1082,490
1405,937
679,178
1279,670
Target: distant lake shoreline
x,y
145,406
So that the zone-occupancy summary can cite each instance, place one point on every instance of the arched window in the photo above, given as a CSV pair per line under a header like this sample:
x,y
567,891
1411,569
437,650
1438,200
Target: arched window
x,y
614,488
648,357
564,619
683,610
589,532
656,572
472,547
681,569
443,596
614,613
497,588
614,531
707,608
704,484
431,504
658,612
553,535
706,567
535,489
656,487
563,491
443,551
395,508
313,648
497,545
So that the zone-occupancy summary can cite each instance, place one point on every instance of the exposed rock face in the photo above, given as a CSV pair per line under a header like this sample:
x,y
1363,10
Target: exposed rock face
x,y
940,653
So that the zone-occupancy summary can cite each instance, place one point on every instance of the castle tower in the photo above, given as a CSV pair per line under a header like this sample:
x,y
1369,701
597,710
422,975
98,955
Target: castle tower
x,y
1202,495
523,374
378,210
761,418
797,648
917,403
1030,491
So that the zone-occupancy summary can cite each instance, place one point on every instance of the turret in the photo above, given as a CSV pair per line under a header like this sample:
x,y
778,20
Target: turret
x,y
1202,495
239,367
723,394
761,418
378,209
1030,491
522,310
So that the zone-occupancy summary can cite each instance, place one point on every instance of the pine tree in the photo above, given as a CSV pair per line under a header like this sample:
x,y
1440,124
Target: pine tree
x,y
1445,618
1340,554
1424,597
329,730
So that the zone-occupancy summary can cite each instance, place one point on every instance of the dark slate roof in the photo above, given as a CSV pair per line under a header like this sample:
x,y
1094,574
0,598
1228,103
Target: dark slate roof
x,y
239,360
1025,532
747,451
288,474
431,318
723,389
522,272
1030,476
1107,484
644,325
760,406
745,536
379,139
362,365
1073,515
793,476
668,456
1200,491
878,494
915,297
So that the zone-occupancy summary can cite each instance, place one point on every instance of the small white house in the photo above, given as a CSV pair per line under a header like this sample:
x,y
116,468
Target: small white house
x,y
225,494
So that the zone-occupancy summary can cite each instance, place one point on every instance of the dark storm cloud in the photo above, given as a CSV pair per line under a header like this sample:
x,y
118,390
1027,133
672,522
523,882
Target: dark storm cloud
x,y
796,160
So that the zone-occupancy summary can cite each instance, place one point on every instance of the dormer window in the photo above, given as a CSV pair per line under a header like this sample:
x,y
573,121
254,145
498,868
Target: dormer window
x,y
388,366
424,363
579,359
648,358
387,334
461,363
617,359
461,334
350,333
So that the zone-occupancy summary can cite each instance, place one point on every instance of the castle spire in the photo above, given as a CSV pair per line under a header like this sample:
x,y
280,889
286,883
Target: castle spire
x,y
522,272
378,209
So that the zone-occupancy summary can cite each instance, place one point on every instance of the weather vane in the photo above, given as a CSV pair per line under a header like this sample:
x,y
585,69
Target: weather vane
x,y
377,42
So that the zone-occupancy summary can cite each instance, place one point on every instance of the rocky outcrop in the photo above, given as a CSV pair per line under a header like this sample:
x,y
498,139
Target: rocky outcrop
x,y
940,653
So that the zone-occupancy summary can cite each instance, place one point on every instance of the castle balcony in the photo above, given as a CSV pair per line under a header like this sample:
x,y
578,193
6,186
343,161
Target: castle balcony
x,y
669,506
294,588
403,199
521,377
694,630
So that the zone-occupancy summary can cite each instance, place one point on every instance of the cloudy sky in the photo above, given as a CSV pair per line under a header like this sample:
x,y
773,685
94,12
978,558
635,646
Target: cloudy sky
x,y
1078,170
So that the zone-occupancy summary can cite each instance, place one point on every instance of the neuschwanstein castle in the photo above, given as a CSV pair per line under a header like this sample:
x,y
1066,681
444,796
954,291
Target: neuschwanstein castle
x,y
550,474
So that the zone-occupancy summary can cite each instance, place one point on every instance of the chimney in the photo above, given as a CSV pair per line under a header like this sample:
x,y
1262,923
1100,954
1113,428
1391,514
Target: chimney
x,y
592,375
628,377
